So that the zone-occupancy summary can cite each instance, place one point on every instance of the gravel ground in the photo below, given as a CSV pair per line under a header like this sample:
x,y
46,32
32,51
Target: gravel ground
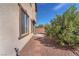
x,y
40,46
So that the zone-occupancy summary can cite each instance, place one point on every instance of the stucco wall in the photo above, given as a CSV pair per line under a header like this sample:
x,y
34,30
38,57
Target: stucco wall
x,y
30,10
9,29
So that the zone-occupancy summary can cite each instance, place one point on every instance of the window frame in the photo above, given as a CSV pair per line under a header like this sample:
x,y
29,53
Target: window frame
x,y
32,26
20,23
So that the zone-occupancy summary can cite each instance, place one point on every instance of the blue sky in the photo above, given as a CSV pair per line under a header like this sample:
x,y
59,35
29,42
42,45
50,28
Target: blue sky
x,y
47,11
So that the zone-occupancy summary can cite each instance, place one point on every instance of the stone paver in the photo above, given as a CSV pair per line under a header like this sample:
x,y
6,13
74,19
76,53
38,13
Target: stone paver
x,y
39,46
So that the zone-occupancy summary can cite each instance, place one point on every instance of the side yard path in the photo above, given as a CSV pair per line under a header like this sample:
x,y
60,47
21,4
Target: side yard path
x,y
40,46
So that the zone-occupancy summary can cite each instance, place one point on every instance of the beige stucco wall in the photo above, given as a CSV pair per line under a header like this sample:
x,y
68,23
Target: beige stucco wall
x,y
29,8
9,29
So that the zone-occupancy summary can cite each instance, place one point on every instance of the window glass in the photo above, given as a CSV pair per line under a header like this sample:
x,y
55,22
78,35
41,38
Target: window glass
x,y
27,23
23,22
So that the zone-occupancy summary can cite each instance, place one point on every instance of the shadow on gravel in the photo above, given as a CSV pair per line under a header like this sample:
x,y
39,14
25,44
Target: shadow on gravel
x,y
52,43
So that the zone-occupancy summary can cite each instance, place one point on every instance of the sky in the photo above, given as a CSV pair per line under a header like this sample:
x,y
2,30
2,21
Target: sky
x,y
47,11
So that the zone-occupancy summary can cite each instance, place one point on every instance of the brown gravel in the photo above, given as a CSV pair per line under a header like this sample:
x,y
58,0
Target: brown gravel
x,y
40,46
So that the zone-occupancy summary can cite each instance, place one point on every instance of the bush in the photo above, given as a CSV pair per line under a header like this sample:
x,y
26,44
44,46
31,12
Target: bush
x,y
65,27
49,31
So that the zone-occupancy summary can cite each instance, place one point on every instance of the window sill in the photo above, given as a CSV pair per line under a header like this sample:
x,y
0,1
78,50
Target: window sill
x,y
23,35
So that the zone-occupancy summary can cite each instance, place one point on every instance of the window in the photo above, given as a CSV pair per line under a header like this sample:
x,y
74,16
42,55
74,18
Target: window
x,y
23,23
24,26
32,27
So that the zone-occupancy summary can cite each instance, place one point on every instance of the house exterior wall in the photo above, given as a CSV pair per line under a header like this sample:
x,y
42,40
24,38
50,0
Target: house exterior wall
x,y
30,8
9,28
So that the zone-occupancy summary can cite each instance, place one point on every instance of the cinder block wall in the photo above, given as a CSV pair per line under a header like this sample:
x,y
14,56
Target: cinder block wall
x,y
40,30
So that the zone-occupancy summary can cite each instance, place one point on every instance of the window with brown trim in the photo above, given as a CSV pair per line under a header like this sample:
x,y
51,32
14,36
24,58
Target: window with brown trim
x,y
24,23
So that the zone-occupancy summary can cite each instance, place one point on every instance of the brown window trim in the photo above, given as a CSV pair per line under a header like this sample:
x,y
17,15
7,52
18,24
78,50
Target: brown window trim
x,y
32,25
25,34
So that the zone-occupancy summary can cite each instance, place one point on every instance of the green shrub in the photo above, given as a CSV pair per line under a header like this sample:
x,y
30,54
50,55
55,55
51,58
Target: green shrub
x,y
65,27
49,31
